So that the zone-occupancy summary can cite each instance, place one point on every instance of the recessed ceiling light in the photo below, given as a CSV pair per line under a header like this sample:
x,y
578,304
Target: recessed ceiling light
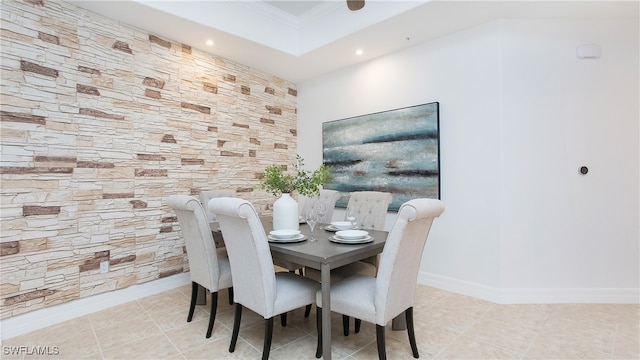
x,y
359,52
210,42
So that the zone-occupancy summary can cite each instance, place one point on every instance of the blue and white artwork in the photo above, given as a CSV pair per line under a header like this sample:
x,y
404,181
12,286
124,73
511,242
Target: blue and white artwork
x,y
394,151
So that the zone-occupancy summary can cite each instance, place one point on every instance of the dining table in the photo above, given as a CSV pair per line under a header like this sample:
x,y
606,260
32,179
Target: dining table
x,y
322,254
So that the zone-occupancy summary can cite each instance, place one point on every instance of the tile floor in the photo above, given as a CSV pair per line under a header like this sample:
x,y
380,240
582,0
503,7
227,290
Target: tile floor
x,y
448,326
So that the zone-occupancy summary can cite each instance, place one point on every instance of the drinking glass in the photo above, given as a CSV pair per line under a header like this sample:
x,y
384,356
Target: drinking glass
x,y
351,216
312,218
321,209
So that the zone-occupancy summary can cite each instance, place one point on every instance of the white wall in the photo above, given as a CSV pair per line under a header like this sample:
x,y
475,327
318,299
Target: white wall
x,y
561,229
518,115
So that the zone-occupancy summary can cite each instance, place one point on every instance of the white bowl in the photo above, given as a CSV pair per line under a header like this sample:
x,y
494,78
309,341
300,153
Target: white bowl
x,y
284,234
352,234
342,225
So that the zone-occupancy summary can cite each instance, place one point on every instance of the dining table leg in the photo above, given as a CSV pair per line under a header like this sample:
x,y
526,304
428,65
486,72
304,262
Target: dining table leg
x,y
399,323
201,299
325,277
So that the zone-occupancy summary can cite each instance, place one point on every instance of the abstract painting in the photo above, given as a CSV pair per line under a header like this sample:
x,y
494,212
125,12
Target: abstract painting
x,y
396,151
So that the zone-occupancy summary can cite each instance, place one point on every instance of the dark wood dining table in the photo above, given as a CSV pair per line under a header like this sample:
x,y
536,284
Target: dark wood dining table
x,y
322,255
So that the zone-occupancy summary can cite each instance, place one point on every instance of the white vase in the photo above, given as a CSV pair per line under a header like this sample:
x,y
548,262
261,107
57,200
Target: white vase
x,y
285,213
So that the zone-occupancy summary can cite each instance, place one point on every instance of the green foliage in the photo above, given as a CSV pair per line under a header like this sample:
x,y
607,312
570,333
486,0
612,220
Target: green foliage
x,y
305,182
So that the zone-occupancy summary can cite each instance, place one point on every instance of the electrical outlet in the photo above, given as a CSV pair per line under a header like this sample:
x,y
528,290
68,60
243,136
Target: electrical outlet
x,y
104,266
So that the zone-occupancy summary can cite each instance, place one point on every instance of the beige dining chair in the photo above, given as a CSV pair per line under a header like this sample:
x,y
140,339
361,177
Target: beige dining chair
x,y
326,197
380,299
329,199
208,267
370,208
207,195
371,213
256,284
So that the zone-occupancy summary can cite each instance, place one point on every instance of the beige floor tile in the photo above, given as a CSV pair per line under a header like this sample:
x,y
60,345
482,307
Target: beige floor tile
x,y
582,322
12,352
55,333
628,321
249,318
302,348
431,333
79,346
627,347
75,347
394,350
155,347
186,290
426,296
129,311
502,335
306,324
449,317
173,318
254,335
165,300
126,332
553,346
219,349
468,348
528,316
447,325
354,342
598,315
193,334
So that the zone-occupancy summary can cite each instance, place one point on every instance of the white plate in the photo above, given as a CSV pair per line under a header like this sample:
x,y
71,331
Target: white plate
x,y
337,239
285,234
297,238
352,234
341,225
333,228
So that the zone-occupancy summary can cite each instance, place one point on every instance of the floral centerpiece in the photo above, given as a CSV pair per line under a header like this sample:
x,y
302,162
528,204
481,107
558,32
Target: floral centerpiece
x,y
275,181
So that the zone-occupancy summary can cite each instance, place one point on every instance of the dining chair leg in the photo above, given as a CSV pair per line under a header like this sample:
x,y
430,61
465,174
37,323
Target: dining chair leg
x,y
230,290
268,334
236,327
357,324
412,336
307,311
212,315
319,328
382,353
283,319
194,295
345,325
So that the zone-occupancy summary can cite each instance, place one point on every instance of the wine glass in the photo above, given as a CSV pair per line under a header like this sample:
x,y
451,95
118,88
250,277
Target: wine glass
x,y
312,217
351,216
321,209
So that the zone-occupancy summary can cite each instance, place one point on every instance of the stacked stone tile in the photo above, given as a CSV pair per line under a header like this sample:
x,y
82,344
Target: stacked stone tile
x,y
100,122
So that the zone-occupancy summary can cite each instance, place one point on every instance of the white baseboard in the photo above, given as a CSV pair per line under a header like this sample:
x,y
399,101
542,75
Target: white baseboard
x,y
532,295
459,286
49,316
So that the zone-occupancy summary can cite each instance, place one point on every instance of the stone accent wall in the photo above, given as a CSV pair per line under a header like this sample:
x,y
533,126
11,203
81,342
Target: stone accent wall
x,y
100,122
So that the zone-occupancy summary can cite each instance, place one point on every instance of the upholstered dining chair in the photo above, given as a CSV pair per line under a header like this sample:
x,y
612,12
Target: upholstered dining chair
x,y
327,197
380,299
370,208
207,195
208,267
371,212
256,284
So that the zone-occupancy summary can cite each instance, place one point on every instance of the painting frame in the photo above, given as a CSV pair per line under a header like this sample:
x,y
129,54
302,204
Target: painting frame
x,y
396,151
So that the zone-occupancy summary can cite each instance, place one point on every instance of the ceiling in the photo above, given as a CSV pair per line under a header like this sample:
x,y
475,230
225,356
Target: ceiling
x,y
300,40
